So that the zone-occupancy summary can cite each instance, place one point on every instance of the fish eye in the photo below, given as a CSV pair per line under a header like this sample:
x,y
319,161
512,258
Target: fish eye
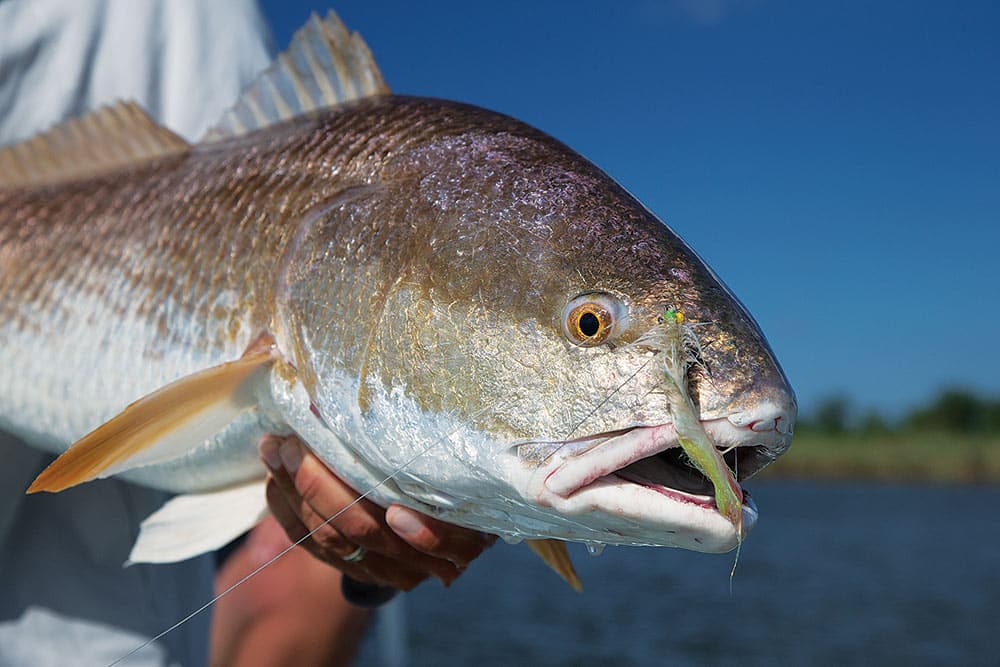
x,y
590,319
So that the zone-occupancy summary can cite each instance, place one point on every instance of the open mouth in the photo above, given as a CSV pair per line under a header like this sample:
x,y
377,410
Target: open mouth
x,y
637,485
648,456
671,473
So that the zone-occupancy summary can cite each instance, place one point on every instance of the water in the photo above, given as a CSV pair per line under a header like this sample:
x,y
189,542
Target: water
x,y
832,574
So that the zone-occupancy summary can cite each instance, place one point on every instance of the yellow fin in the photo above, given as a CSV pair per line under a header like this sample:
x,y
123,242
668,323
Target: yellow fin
x,y
326,64
161,426
113,137
554,553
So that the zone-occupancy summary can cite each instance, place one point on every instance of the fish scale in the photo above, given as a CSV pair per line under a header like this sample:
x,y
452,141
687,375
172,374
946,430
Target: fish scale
x,y
391,278
154,274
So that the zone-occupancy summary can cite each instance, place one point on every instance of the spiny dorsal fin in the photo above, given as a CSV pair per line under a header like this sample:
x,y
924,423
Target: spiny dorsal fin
x,y
102,141
325,65
554,553
161,426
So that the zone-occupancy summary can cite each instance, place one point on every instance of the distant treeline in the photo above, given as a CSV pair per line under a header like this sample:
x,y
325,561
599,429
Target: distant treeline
x,y
954,410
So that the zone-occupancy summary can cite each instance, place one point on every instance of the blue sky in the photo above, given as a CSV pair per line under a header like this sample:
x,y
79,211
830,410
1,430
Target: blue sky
x,y
838,164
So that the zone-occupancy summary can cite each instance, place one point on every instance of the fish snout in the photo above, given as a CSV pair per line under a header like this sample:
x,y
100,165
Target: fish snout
x,y
770,415
762,432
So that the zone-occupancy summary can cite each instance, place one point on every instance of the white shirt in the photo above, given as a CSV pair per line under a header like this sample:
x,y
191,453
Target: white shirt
x,y
64,596
184,61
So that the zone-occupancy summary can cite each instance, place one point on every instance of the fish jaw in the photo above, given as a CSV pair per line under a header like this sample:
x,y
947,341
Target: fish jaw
x,y
634,514
636,487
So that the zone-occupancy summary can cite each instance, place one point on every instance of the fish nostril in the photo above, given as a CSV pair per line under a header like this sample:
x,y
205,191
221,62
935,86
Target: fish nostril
x,y
766,417
740,419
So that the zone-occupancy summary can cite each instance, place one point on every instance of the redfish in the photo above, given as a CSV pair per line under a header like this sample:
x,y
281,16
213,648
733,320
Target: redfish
x,y
455,311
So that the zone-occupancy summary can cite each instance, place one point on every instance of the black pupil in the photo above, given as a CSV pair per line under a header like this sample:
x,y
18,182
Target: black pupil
x,y
589,325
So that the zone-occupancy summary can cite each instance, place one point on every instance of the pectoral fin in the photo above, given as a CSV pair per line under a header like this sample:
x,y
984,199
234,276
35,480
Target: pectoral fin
x,y
190,525
161,426
554,553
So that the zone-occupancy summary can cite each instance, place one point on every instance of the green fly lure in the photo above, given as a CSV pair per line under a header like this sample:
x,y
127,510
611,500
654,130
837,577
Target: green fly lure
x,y
679,348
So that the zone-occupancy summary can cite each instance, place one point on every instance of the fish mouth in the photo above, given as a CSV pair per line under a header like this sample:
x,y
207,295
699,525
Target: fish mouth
x,y
641,474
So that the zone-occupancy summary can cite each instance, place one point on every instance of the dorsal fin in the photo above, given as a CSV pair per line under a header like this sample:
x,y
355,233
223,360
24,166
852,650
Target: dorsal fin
x,y
326,64
102,141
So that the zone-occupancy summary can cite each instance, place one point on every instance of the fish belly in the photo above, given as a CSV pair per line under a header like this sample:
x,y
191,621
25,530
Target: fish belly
x,y
109,292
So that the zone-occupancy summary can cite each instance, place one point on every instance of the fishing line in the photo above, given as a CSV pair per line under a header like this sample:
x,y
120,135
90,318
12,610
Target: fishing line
x,y
684,340
595,408
337,514
607,398
287,549
739,528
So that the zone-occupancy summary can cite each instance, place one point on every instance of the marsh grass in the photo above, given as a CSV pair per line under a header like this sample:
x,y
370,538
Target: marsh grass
x,y
936,456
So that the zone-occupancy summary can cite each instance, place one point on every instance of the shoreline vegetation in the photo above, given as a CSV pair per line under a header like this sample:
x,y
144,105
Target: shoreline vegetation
x,y
899,457
955,439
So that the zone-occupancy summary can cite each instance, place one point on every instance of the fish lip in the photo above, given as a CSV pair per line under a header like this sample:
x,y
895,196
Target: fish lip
x,y
751,450
603,454
570,465
630,456
579,478
619,475
706,501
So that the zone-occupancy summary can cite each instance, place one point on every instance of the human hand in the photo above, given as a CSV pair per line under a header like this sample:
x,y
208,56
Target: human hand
x,y
401,547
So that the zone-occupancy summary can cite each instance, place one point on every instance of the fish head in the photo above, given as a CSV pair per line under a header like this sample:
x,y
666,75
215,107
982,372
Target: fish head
x,y
511,377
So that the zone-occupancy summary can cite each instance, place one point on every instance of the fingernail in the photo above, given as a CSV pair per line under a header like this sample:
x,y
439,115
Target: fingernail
x,y
291,456
404,522
268,449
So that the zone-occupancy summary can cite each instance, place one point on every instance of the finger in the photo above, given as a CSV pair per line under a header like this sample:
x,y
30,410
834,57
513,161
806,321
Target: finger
x,y
373,568
297,519
363,523
437,538
287,519
314,493
386,571
297,531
